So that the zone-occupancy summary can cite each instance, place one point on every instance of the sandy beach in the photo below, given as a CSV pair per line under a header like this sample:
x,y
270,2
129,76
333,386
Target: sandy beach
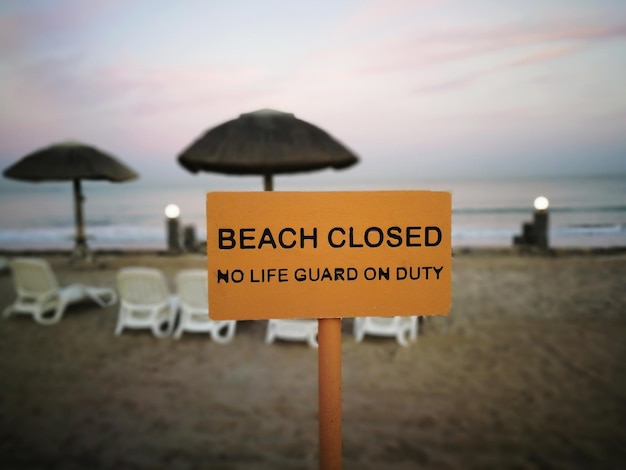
x,y
527,372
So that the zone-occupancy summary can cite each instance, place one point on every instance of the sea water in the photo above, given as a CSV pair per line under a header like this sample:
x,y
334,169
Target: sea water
x,y
583,212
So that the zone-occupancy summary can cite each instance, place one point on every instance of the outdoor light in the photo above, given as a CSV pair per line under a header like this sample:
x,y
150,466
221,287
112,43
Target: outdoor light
x,y
540,223
535,233
541,203
172,211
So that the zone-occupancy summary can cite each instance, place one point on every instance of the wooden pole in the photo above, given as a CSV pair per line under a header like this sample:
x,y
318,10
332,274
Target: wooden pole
x,y
78,213
329,385
268,183
81,251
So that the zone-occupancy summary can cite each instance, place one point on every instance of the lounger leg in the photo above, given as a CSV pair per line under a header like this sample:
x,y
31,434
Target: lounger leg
x,y
171,322
414,328
400,337
102,296
181,325
159,332
312,340
157,328
269,334
358,329
173,314
227,337
120,321
56,317
6,313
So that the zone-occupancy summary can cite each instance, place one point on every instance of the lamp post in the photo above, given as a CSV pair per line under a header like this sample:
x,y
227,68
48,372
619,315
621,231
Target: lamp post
x,y
540,222
535,233
172,213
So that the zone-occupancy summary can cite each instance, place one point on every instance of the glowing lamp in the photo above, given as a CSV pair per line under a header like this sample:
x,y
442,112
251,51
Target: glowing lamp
x,y
541,203
172,211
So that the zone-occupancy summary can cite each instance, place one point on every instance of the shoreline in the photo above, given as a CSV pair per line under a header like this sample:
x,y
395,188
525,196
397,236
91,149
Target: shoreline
x,y
456,251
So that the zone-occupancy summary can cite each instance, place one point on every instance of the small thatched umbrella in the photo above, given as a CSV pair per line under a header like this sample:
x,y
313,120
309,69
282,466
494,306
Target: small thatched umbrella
x,y
71,161
265,142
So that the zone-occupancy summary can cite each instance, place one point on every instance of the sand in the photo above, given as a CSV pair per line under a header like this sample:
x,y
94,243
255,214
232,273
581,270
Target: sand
x,y
527,372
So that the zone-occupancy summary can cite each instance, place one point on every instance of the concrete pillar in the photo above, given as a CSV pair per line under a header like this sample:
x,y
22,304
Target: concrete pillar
x,y
189,238
540,229
173,234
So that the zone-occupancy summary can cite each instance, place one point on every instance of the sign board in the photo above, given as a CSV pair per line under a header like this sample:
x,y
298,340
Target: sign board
x,y
328,254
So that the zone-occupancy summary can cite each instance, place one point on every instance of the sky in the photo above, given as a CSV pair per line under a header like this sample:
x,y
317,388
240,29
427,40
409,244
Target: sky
x,y
420,89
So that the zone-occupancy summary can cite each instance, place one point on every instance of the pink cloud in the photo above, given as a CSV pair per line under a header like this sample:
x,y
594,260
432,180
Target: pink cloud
x,y
422,50
62,98
483,51
68,84
448,84
471,78
543,55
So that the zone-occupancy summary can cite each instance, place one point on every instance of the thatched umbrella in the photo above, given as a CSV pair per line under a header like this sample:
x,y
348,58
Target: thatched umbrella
x,y
265,142
71,161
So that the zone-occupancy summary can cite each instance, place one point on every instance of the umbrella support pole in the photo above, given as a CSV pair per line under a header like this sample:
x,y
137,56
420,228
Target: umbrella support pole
x,y
329,391
81,250
268,183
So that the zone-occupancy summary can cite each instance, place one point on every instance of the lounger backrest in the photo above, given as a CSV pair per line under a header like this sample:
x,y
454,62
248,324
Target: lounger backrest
x,y
385,322
142,286
33,276
191,286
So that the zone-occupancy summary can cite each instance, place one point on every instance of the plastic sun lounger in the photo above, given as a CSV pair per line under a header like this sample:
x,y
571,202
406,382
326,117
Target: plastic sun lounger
x,y
38,292
292,330
145,301
402,328
191,287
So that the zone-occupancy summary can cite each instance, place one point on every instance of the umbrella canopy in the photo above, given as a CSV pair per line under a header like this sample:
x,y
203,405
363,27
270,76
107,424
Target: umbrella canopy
x,y
71,161
265,142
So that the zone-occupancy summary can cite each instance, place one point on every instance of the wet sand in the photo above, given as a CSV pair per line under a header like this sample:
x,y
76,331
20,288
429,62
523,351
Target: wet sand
x,y
527,372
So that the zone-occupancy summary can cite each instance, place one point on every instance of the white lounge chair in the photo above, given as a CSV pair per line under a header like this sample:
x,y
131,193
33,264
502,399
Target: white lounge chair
x,y
38,292
402,328
145,301
292,330
193,296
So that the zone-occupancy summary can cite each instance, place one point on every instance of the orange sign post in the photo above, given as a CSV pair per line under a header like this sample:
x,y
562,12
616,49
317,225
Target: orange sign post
x,y
328,255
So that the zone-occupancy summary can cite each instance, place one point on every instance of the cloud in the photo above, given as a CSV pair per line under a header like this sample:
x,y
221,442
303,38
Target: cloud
x,y
415,51
543,55
467,80
67,97
431,58
68,83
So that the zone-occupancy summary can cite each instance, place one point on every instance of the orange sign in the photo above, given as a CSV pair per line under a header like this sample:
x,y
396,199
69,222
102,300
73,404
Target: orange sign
x,y
328,254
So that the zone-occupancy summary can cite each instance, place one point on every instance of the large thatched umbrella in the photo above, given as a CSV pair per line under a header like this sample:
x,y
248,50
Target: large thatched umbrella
x,y
71,161
265,142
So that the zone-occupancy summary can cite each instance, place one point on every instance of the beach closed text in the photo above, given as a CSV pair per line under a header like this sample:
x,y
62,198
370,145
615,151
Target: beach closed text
x,y
331,254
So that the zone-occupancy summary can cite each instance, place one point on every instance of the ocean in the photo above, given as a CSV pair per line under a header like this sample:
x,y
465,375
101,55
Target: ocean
x,y
584,211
